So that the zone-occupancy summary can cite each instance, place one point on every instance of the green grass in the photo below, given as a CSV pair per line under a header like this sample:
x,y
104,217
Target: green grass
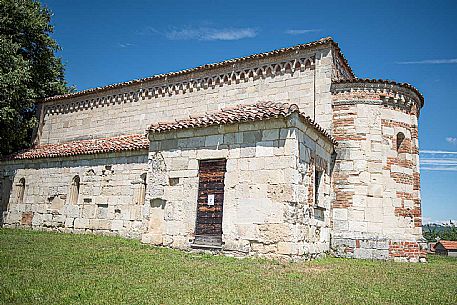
x,y
55,268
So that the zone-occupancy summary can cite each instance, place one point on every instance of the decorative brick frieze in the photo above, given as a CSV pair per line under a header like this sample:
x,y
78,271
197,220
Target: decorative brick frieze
x,y
269,70
378,89
283,53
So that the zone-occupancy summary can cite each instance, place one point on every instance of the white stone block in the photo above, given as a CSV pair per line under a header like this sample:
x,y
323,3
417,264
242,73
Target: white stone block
x,y
340,214
264,149
117,225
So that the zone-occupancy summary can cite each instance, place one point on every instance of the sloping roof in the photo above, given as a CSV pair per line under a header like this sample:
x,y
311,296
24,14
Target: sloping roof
x,y
382,81
448,244
84,147
322,41
239,114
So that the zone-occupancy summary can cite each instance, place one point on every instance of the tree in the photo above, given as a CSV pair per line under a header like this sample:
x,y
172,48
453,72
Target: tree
x,y
445,231
29,69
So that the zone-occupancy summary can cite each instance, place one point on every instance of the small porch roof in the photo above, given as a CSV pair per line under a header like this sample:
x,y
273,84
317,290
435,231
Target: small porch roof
x,y
239,114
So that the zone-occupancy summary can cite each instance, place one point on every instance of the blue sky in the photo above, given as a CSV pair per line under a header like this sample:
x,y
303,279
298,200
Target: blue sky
x,y
105,42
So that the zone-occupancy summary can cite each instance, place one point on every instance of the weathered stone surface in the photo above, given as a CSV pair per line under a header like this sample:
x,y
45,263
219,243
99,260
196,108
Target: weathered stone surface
x,y
383,174
286,191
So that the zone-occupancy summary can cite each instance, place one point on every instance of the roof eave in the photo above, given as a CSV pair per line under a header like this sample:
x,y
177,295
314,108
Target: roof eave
x,y
310,45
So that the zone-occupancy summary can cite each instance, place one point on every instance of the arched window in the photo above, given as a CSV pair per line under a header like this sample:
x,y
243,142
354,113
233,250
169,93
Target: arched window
x,y
140,190
400,139
74,190
20,191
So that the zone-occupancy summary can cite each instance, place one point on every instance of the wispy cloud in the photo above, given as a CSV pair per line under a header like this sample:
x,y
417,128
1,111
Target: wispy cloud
x,y
126,45
438,160
438,152
429,220
301,31
205,33
429,62
451,140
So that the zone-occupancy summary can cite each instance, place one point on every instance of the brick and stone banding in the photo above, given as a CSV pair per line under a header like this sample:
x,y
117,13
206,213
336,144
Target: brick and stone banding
x,y
376,185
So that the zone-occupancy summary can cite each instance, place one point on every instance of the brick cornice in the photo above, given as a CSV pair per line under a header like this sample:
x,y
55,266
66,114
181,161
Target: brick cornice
x,y
389,91
170,77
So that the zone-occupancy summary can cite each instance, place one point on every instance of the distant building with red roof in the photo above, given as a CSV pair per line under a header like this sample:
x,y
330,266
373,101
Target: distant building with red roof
x,y
446,247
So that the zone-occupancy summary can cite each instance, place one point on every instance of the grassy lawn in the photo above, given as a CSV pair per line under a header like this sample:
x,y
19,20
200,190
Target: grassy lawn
x,y
55,268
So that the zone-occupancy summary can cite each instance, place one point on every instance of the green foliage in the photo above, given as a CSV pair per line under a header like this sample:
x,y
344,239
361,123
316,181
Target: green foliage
x,y
447,231
29,69
56,268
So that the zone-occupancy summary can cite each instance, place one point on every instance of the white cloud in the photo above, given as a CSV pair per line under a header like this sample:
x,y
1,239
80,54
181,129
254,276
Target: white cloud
x,y
438,152
429,62
205,33
451,140
230,34
303,31
126,45
441,222
438,160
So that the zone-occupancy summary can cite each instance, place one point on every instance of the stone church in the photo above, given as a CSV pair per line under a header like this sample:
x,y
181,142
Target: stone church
x,y
279,154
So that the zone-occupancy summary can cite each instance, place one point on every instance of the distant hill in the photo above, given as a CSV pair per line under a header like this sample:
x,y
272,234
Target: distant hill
x,y
432,231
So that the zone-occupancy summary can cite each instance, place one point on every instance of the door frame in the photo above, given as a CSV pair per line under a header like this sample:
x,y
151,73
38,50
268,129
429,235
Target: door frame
x,y
207,240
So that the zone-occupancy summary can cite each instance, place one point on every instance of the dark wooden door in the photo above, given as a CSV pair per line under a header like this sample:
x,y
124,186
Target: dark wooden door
x,y
210,202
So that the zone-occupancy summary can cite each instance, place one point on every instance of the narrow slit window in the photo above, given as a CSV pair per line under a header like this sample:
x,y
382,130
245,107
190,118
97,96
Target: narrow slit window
x,y
140,194
317,185
400,139
21,190
74,190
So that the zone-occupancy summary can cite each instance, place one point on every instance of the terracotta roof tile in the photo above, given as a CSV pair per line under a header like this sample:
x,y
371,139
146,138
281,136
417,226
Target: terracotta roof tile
x,y
448,244
84,147
322,41
239,114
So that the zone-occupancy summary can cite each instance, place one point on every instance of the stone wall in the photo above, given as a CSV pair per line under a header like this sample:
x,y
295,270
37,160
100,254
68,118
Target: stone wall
x,y
270,208
377,211
300,77
266,209
105,203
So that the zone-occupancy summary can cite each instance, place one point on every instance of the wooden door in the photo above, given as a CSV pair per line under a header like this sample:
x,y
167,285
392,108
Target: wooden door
x,y
210,202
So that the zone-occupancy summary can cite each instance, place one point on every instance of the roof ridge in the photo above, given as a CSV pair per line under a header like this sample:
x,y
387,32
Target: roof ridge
x,y
238,114
322,41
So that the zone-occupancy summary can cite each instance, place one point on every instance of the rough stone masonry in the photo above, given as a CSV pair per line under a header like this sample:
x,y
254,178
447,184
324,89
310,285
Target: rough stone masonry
x,y
277,154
